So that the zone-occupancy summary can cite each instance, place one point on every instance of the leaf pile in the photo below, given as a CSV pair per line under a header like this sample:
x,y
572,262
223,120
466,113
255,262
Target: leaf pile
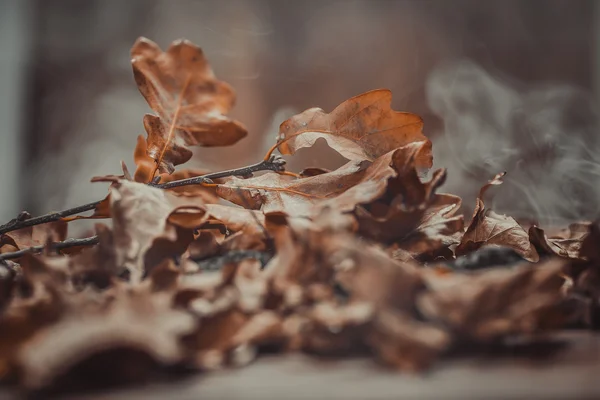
x,y
366,259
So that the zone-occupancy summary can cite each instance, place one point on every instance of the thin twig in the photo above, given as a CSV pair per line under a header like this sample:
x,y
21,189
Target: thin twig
x,y
274,163
89,241
18,223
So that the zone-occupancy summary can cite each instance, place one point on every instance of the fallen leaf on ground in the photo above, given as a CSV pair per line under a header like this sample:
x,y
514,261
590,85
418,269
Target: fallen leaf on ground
x,y
491,304
488,228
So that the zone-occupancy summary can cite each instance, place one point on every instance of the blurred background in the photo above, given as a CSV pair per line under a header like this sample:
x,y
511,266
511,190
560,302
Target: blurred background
x,y
502,85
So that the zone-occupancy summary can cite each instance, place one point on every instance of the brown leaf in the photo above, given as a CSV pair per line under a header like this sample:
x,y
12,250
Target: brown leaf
x,y
369,275
405,343
437,230
363,127
36,302
410,209
96,264
32,236
135,322
237,219
330,328
488,228
564,244
584,274
145,164
492,304
182,89
354,183
141,214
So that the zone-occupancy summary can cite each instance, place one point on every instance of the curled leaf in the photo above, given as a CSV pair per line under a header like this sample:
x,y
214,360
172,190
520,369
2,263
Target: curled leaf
x,y
488,228
191,103
363,127
492,304
566,243
356,182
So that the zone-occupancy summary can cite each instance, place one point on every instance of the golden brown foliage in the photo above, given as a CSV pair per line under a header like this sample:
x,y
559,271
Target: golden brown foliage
x,y
361,259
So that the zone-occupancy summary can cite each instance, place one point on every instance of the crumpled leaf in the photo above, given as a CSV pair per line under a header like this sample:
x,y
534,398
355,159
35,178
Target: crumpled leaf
x,y
134,322
297,270
330,328
354,183
409,216
584,277
369,275
437,231
488,228
237,219
32,236
406,343
327,262
566,243
363,127
491,304
37,302
191,103
141,214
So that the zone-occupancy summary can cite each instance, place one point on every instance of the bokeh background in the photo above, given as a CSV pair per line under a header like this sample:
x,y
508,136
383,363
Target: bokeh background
x,y
502,85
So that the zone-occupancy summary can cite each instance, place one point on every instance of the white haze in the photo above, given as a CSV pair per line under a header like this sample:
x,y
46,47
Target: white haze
x,y
545,137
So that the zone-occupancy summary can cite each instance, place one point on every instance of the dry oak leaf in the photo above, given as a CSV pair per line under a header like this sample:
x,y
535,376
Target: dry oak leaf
x,y
236,219
488,228
354,183
33,236
300,264
566,243
330,328
438,229
190,101
407,202
490,304
363,127
584,272
404,342
133,322
141,214
28,311
368,274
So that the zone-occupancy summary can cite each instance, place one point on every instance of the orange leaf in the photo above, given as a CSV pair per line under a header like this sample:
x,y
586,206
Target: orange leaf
x,y
145,164
182,89
362,127
32,236
356,182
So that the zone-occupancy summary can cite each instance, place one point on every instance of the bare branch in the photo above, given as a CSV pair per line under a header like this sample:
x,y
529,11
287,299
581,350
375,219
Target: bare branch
x,y
19,223
274,163
89,241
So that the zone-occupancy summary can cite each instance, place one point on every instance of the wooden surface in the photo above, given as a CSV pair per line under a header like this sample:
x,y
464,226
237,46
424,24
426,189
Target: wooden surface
x,y
571,372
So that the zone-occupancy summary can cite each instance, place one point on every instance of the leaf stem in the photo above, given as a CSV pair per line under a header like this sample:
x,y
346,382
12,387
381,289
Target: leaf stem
x,y
89,241
271,150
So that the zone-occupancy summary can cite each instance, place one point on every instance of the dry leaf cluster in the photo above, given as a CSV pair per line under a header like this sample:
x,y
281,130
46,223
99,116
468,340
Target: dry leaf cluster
x,y
365,259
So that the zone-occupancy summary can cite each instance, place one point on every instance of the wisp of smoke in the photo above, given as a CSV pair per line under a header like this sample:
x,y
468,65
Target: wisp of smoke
x,y
545,137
